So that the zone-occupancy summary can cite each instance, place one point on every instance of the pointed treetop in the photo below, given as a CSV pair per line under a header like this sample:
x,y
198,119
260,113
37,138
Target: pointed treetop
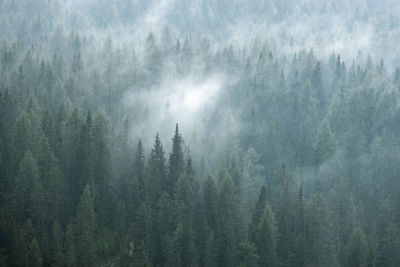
x,y
262,199
89,118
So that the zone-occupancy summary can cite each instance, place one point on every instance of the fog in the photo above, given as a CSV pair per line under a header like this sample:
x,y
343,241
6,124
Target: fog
x,y
199,133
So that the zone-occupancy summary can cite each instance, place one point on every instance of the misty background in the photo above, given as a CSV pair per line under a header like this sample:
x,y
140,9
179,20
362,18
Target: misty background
x,y
301,97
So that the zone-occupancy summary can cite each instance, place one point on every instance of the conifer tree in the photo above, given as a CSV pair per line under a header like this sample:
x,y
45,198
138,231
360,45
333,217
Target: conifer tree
x,y
85,229
56,245
299,257
69,247
34,257
248,255
210,251
176,161
356,250
156,180
263,232
284,218
28,175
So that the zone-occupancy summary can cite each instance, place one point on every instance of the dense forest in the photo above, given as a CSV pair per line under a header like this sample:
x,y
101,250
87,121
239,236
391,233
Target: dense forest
x,y
170,146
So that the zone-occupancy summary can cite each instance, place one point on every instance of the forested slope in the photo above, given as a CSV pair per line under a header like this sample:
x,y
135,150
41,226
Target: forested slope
x,y
277,158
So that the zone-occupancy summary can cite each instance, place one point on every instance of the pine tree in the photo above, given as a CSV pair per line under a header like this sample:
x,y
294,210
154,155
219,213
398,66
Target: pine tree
x,y
325,144
262,231
318,87
56,245
227,243
299,257
176,161
22,139
69,248
210,251
156,180
139,169
34,257
47,126
356,251
100,159
319,233
143,227
258,212
248,256
72,156
37,205
51,180
140,256
85,229
59,131
23,235
28,175
85,154
284,218
210,203
183,247
388,243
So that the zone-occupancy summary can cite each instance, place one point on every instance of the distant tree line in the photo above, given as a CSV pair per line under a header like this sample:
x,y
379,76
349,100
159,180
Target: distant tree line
x,y
310,179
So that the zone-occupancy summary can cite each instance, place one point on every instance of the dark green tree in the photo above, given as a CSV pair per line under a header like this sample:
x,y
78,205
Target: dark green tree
x,y
356,251
85,229
34,257
176,161
156,180
28,175
263,231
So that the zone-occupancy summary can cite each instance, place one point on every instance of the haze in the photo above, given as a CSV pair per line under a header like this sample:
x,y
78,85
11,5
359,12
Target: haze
x,y
199,133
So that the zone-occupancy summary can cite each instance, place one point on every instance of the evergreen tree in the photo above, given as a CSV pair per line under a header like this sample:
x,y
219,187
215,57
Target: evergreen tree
x,y
56,245
176,160
34,257
69,248
210,251
22,139
248,256
263,232
319,233
100,160
318,87
28,176
227,242
388,243
156,180
357,250
85,229
300,253
284,218
183,248
139,168
143,227
140,256
210,203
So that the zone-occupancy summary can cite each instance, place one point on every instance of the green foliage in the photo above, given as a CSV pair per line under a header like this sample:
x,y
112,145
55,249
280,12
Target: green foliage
x,y
85,229
357,249
75,190
34,258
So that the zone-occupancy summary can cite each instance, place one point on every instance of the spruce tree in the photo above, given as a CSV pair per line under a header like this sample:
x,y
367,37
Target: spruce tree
x,y
176,161
85,229
284,218
156,179
34,257
263,231
356,251
28,175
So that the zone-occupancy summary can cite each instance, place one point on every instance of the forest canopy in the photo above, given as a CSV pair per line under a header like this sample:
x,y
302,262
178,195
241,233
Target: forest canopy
x,y
199,133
